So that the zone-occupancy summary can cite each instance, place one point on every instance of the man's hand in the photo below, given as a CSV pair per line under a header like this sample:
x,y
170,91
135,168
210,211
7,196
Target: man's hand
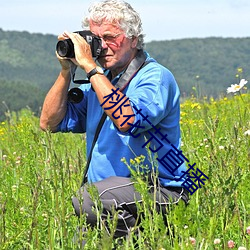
x,y
83,54
66,63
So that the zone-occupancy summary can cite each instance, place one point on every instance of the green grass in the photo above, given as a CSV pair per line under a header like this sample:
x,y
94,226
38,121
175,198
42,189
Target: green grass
x,y
40,172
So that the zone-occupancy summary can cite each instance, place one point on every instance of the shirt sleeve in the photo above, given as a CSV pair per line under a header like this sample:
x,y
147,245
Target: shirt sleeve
x,y
75,118
156,96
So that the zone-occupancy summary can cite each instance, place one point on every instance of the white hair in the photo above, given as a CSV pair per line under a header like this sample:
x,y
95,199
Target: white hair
x,y
120,13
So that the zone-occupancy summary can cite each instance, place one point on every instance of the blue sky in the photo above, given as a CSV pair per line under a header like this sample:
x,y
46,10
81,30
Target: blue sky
x,y
162,19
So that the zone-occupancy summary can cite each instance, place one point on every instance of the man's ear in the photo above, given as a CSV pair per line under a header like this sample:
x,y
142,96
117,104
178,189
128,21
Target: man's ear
x,y
134,42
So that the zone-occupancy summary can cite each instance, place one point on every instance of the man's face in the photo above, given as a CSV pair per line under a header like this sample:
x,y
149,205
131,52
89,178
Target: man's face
x,y
118,50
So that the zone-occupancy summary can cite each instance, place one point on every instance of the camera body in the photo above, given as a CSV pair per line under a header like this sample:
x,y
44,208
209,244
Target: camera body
x,y
65,48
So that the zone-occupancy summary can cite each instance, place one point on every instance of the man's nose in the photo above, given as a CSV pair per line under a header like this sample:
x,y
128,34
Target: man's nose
x,y
104,44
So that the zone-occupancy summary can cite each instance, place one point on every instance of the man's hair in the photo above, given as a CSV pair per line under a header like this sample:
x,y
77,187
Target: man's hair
x,y
120,13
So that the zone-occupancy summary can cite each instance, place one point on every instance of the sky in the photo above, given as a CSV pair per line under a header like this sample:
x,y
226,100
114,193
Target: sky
x,y
162,19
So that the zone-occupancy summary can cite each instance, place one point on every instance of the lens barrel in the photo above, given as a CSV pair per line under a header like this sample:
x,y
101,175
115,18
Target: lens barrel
x,y
65,48
75,95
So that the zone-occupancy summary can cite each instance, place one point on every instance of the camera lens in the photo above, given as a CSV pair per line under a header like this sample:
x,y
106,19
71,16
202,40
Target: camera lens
x,y
75,95
65,48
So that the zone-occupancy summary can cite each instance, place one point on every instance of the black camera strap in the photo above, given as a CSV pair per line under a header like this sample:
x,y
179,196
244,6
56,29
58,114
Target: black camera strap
x,y
136,64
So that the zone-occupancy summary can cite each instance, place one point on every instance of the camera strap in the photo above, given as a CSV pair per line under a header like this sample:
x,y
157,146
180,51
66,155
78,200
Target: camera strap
x,y
136,64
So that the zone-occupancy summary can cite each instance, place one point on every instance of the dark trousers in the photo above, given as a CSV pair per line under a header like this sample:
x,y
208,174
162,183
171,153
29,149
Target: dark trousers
x,y
119,194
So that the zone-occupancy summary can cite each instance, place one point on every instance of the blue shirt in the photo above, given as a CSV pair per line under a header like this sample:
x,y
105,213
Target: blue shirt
x,y
154,92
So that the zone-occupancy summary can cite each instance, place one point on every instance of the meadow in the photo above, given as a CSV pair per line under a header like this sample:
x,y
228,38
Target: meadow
x,y
40,172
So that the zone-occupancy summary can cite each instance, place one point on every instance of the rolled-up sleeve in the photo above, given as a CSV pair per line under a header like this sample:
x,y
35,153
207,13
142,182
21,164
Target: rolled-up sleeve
x,y
75,117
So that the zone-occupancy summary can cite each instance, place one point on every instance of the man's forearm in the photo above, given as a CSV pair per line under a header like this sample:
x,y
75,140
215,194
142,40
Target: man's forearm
x,y
55,103
102,87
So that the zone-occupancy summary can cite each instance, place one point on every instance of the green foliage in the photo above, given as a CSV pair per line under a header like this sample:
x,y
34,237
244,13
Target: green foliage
x,y
28,68
14,95
36,184
40,172
208,64
210,61
28,58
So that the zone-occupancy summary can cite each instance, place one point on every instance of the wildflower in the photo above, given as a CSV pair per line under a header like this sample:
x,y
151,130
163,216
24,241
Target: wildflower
x,y
195,105
240,70
230,244
242,248
14,188
137,160
71,167
248,230
221,147
132,162
22,210
216,241
123,160
45,216
192,240
237,87
183,113
247,133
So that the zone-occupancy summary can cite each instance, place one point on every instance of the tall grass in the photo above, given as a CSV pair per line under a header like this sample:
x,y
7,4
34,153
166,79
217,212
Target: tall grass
x,y
40,172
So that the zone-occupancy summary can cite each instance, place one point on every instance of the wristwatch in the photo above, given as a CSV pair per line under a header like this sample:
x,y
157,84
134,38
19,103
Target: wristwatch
x,y
96,70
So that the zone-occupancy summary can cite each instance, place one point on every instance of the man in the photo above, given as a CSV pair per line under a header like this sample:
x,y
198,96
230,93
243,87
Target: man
x,y
144,111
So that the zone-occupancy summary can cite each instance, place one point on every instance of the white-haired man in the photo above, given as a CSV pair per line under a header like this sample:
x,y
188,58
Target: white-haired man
x,y
140,98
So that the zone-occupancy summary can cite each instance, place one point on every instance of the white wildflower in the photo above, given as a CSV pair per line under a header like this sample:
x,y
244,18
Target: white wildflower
x,y
237,87
14,188
247,133
217,241
242,248
22,210
192,240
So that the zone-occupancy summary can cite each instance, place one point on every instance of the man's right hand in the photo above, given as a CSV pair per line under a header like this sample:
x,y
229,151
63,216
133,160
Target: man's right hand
x,y
66,63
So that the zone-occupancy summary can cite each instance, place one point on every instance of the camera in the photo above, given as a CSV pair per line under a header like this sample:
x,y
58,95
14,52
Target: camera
x,y
65,48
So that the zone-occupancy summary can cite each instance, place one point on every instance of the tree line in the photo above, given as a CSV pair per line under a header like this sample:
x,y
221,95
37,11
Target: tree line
x,y
202,67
